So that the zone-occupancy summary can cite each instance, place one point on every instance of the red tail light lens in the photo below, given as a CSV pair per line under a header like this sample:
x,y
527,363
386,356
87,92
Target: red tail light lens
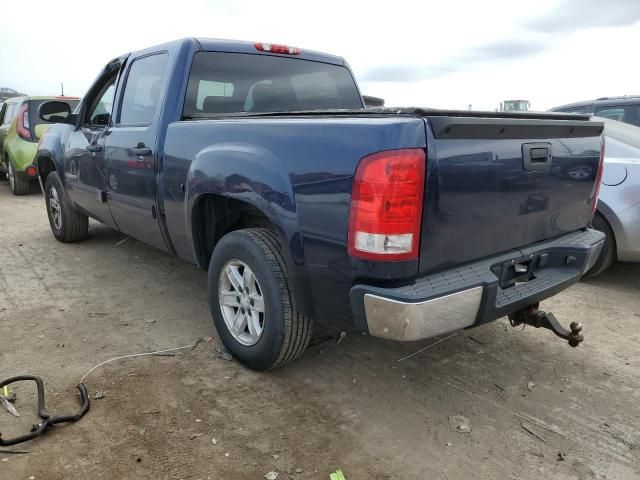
x,y
386,205
22,122
276,48
596,187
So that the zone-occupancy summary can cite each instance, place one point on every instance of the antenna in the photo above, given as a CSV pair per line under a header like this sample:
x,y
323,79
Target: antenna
x,y
62,89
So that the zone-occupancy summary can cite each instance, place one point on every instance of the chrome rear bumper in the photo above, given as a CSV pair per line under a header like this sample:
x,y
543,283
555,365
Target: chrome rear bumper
x,y
405,321
472,294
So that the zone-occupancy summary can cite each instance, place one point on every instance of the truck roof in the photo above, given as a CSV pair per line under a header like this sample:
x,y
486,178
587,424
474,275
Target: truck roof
x,y
238,46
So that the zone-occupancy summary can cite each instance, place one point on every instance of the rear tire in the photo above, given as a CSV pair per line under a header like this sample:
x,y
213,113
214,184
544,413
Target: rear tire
x,y
608,254
18,184
284,332
67,224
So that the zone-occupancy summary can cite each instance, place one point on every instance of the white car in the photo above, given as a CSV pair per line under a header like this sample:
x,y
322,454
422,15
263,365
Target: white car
x,y
618,210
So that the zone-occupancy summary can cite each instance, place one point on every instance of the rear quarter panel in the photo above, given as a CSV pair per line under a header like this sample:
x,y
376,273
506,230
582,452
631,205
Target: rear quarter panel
x,y
299,173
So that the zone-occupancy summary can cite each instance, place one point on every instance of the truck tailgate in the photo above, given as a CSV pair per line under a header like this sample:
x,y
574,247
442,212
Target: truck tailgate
x,y
496,184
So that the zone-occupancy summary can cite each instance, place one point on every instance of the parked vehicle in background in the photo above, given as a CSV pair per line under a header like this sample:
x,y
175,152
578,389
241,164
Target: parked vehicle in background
x,y
624,109
515,106
8,93
20,130
618,210
260,163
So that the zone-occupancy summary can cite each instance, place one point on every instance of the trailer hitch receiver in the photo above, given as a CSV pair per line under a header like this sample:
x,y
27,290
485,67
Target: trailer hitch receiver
x,y
541,319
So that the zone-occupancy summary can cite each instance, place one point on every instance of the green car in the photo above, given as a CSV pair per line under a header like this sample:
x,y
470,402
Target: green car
x,y
20,130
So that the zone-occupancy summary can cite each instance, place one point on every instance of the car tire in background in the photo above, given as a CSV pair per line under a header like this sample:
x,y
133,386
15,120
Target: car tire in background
x,y
251,301
67,224
608,253
18,184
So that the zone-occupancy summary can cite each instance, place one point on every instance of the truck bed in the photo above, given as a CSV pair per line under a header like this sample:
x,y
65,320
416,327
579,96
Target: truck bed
x,y
479,199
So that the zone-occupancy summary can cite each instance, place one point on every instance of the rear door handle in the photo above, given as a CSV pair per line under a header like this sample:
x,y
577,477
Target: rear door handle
x,y
94,148
141,151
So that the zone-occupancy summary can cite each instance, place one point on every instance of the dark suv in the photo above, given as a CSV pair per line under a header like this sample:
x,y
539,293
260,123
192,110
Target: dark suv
x,y
624,109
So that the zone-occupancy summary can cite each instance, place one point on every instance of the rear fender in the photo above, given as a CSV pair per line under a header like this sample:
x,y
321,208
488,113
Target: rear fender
x,y
254,175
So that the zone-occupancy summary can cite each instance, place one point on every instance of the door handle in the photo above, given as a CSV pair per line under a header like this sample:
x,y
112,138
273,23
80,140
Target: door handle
x,y
537,157
94,148
141,151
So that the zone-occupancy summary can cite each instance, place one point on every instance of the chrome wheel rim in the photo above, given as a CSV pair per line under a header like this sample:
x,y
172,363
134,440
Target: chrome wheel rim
x,y
54,208
241,302
11,180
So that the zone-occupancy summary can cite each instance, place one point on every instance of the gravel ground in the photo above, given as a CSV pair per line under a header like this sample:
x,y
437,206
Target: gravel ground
x,y
536,408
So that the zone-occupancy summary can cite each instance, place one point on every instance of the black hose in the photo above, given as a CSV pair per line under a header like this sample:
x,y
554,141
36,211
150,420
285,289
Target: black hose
x,y
48,420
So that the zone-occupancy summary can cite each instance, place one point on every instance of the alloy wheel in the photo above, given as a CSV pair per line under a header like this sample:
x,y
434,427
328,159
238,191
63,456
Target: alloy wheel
x,y
55,209
241,302
11,176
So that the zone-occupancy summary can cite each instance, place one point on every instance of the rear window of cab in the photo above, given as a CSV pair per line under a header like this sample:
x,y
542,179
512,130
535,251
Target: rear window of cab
x,y
237,82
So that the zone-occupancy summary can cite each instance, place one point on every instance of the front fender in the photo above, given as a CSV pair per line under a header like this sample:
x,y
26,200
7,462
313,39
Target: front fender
x,y
51,151
255,176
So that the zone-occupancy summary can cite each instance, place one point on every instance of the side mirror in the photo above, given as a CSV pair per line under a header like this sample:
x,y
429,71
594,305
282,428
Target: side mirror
x,y
372,102
56,111
101,119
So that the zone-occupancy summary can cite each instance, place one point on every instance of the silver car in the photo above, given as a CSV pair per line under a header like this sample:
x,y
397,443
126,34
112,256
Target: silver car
x,y
618,210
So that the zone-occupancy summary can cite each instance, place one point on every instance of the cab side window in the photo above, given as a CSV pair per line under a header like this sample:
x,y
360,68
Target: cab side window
x,y
142,90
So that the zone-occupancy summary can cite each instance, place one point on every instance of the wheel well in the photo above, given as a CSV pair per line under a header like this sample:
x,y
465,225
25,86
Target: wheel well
x,y
45,167
214,216
602,216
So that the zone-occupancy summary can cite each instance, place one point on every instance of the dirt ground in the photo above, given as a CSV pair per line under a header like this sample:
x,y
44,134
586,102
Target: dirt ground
x,y
537,408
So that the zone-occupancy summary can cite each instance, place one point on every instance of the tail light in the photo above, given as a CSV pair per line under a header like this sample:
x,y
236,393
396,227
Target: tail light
x,y
596,187
22,123
275,48
386,205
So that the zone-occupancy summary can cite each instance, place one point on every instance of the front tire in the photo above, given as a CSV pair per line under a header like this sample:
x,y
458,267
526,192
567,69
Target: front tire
x,y
608,254
251,301
18,184
67,224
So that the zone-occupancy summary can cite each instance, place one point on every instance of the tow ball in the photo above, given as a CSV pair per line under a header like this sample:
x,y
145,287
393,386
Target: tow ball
x,y
541,319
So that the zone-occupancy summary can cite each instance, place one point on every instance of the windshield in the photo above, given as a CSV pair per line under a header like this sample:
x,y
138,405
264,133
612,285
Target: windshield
x,y
236,82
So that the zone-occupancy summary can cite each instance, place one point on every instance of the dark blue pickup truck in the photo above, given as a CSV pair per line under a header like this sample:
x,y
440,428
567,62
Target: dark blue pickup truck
x,y
260,163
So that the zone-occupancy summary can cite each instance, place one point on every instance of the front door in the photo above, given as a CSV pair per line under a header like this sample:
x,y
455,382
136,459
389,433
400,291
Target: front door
x,y
130,151
84,160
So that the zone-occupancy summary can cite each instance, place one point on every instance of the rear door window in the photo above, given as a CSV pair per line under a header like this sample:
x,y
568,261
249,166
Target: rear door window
x,y
623,113
9,113
142,90
236,82
583,109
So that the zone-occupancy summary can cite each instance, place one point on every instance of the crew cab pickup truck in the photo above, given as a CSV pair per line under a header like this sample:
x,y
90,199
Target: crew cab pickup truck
x,y
259,163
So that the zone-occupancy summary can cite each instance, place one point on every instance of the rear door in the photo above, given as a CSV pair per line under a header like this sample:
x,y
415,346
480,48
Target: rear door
x,y
131,148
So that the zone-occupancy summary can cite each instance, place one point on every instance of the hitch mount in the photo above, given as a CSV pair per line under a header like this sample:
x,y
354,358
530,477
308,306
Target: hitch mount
x,y
540,319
